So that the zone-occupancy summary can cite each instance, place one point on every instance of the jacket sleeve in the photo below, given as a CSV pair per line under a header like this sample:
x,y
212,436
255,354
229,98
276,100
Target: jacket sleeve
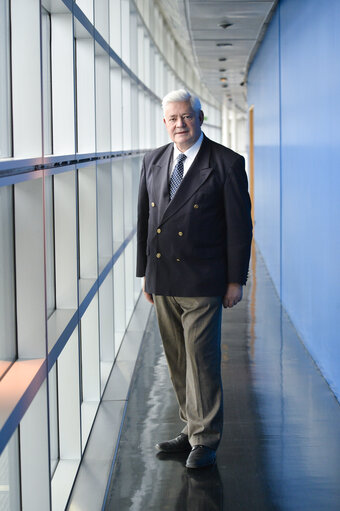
x,y
239,223
142,224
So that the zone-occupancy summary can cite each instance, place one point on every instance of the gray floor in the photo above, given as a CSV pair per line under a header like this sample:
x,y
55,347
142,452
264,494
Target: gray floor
x,y
281,443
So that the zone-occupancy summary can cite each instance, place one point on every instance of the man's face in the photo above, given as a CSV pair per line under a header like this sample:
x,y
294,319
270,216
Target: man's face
x,y
183,123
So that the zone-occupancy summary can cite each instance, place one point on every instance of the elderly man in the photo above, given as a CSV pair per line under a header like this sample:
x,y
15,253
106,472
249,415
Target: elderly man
x,y
194,237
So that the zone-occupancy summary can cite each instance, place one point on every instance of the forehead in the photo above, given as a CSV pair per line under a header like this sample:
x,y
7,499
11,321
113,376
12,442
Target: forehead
x,y
178,108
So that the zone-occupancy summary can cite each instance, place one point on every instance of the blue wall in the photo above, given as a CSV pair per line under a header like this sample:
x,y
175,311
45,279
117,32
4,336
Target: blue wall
x,y
294,85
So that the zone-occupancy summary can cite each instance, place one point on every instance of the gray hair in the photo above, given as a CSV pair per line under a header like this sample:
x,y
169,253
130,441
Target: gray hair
x,y
181,95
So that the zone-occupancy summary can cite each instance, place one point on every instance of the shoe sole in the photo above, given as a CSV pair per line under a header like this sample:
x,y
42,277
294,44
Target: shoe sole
x,y
201,466
170,451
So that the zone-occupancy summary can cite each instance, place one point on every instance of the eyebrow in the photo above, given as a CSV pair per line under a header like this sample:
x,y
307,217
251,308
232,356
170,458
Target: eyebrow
x,y
181,115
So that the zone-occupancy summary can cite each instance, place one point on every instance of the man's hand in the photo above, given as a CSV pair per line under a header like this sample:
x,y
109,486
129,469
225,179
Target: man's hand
x,y
147,295
233,295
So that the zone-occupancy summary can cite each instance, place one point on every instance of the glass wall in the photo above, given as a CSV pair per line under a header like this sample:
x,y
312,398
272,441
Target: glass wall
x,y
80,97
10,495
47,79
5,89
8,348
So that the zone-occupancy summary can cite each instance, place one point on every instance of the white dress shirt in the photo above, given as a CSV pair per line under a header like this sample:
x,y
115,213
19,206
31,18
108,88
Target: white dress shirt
x,y
189,153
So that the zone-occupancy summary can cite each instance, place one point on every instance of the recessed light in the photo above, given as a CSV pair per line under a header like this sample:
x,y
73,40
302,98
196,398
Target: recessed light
x,y
222,59
225,24
223,79
225,85
223,44
222,70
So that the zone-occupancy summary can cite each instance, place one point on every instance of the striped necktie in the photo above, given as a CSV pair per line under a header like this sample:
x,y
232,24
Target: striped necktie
x,y
177,175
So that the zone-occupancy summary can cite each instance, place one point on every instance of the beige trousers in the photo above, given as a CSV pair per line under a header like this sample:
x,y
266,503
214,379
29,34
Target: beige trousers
x,y
191,333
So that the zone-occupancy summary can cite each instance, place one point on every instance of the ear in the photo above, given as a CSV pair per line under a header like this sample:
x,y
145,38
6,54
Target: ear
x,y
201,117
164,120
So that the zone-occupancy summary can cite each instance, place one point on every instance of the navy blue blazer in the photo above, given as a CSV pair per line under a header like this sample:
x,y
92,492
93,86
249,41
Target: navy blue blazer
x,y
200,241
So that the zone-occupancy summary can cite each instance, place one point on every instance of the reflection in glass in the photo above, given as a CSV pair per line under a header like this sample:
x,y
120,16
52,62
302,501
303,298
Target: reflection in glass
x,y
8,348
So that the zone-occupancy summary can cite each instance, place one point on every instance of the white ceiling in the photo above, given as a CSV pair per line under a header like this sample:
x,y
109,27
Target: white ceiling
x,y
196,26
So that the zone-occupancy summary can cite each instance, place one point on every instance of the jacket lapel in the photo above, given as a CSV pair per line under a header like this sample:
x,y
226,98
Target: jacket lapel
x,y
194,178
160,181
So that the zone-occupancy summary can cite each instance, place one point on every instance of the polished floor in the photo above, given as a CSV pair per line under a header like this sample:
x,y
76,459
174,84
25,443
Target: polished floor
x,y
281,443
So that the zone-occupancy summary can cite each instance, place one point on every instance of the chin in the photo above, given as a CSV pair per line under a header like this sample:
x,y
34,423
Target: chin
x,y
183,137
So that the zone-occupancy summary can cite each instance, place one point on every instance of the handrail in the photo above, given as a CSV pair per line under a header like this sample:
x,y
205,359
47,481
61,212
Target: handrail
x,y
11,168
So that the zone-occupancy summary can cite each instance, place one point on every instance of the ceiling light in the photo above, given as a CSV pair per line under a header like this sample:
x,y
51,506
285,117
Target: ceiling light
x,y
222,59
225,24
223,79
222,70
223,44
225,85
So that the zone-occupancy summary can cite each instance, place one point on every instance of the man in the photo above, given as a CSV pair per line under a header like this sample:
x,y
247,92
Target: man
x,y
194,235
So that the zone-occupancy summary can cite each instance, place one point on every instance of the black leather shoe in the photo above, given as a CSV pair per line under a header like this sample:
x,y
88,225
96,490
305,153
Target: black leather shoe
x,y
178,444
201,456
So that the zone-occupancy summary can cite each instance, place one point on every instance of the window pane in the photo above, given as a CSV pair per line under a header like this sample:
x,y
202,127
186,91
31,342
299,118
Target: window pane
x,y
53,411
7,289
46,72
5,97
9,476
50,271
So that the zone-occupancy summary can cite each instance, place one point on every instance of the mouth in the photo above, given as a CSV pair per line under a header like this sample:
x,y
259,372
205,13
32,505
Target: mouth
x,y
181,132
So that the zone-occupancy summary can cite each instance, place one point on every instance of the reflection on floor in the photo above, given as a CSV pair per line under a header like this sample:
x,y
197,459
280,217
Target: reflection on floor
x,y
281,443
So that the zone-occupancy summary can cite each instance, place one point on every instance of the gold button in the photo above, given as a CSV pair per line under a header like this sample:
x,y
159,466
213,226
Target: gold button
x,y
178,260
158,255
153,204
159,231
196,206
180,233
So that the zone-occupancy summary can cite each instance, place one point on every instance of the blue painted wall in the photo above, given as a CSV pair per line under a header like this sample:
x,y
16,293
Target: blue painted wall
x,y
294,85
263,93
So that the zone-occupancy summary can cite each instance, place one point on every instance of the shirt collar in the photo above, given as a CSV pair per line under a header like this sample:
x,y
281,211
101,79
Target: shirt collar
x,y
192,151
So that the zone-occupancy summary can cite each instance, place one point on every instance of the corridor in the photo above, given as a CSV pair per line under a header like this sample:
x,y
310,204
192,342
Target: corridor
x,y
84,387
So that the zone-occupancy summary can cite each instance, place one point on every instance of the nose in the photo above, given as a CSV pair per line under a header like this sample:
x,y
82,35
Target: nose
x,y
180,122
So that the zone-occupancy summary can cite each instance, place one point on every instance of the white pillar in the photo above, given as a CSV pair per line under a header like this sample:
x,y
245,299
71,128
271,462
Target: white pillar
x,y
225,123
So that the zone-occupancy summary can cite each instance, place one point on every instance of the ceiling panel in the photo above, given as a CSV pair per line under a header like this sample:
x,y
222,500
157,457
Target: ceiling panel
x,y
246,20
247,31
212,2
239,9
196,26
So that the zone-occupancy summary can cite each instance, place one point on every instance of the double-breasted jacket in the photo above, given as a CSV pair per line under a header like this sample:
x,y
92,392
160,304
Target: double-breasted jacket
x,y
200,241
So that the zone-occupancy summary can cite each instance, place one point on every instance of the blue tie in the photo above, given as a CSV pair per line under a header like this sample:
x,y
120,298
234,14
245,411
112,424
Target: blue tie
x,y
177,175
